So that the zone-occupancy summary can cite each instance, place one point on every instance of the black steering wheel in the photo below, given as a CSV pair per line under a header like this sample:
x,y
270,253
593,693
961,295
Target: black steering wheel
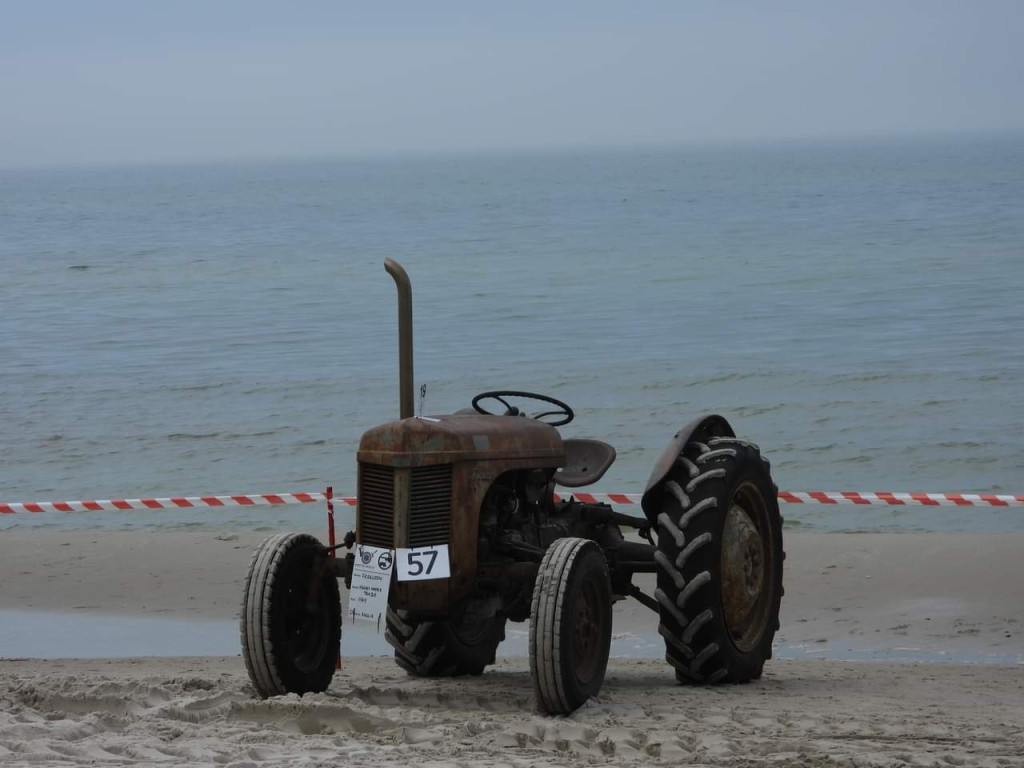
x,y
562,410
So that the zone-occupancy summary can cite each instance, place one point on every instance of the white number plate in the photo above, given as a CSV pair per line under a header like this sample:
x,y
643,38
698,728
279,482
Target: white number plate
x,y
422,563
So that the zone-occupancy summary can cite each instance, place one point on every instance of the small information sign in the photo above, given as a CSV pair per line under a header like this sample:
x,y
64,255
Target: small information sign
x,y
371,581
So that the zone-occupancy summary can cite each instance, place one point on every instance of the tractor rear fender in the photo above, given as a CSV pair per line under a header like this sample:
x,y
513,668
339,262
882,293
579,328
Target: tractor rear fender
x,y
700,428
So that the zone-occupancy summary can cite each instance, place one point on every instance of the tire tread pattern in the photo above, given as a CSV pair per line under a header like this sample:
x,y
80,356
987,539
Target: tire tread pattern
x,y
697,643
548,609
257,612
429,648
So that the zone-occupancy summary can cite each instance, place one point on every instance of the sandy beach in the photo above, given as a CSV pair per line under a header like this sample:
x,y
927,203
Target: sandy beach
x,y
898,598
202,712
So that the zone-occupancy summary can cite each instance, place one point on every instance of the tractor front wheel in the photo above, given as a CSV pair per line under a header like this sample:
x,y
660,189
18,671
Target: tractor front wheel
x,y
570,625
291,617
719,562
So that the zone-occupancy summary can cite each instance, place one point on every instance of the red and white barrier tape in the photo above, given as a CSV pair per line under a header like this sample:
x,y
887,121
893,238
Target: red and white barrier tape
x,y
879,498
175,502
883,499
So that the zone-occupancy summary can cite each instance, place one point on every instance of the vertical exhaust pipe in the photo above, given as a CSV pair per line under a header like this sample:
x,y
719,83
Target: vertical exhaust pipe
x,y
405,376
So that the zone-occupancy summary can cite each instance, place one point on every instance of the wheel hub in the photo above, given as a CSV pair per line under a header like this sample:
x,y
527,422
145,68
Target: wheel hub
x,y
743,573
473,625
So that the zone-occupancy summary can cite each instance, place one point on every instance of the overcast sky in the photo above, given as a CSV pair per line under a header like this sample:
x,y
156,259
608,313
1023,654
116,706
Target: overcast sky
x,y
96,81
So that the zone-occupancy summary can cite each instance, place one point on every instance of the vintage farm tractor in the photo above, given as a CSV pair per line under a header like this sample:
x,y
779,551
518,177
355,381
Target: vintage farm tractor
x,y
476,489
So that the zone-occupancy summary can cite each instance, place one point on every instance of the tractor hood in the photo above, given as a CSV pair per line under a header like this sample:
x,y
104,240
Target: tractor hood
x,y
461,437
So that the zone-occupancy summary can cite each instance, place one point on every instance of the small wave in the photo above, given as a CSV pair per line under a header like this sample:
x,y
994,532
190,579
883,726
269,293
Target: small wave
x,y
655,386
80,267
975,461
757,410
832,404
726,377
820,448
225,435
265,433
197,387
860,378
863,458
788,463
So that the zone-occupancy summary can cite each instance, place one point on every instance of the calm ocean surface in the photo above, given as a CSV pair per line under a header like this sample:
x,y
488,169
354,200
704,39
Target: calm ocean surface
x,y
857,309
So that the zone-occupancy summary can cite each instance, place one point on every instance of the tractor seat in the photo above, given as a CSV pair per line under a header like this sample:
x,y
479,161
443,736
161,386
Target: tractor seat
x,y
586,461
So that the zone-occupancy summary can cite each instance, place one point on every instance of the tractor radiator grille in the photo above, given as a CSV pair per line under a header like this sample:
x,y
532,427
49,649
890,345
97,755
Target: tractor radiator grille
x,y
376,510
430,505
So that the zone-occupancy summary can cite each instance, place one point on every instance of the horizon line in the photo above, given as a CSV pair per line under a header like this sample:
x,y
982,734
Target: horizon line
x,y
515,150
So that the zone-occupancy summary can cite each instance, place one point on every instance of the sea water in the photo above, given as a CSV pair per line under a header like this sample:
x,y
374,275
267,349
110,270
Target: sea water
x,y
25,634
855,308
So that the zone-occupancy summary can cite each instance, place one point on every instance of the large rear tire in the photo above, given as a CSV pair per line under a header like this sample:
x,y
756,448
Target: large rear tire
x,y
440,648
290,634
719,562
570,625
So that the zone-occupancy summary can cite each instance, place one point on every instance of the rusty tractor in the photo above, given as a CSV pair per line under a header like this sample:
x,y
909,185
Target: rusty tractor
x,y
470,498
